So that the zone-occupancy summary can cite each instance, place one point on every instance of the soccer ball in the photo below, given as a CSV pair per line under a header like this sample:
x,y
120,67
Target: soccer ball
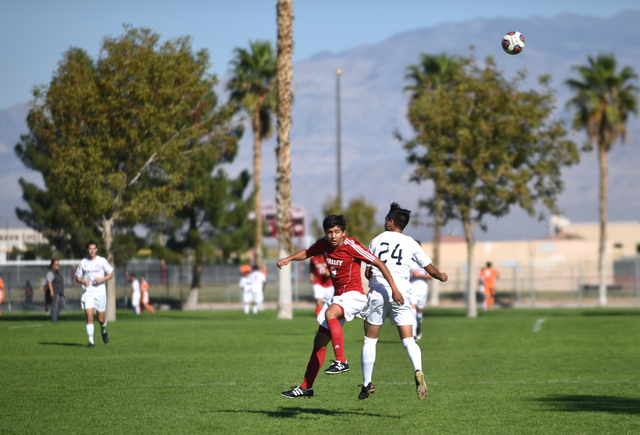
x,y
513,43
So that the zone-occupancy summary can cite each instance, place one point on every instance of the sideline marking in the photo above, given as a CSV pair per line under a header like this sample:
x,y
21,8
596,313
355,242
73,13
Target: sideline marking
x,y
26,326
538,326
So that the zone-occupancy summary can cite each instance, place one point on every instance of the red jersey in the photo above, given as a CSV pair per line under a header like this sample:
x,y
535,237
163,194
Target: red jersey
x,y
343,262
318,268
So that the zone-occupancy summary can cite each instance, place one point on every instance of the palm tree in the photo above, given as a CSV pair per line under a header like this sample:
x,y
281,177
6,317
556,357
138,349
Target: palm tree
x,y
252,86
432,72
283,153
603,100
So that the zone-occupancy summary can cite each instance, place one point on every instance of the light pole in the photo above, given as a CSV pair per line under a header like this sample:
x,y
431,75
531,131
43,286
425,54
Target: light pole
x,y
339,178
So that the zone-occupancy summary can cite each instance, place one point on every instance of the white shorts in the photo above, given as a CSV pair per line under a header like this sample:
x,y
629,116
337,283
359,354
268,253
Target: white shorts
x,y
352,303
324,293
257,297
94,300
419,293
380,305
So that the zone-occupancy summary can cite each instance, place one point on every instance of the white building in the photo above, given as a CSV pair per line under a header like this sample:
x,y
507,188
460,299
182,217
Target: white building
x,y
18,238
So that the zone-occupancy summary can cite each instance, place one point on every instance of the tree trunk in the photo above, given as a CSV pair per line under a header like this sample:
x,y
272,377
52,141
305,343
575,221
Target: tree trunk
x,y
437,232
283,178
107,237
602,288
194,236
257,171
472,310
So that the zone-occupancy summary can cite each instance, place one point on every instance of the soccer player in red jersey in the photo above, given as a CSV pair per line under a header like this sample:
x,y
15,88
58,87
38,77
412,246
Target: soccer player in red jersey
x,y
343,256
321,279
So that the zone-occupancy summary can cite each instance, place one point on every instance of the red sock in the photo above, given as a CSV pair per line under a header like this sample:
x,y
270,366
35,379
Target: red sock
x,y
315,362
336,337
318,309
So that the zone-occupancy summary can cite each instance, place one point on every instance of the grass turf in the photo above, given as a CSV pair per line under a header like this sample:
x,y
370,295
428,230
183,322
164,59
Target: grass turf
x,y
222,372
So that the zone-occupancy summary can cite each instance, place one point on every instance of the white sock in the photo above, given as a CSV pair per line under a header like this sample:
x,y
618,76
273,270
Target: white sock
x,y
367,359
255,309
103,327
414,325
414,352
247,307
90,333
419,318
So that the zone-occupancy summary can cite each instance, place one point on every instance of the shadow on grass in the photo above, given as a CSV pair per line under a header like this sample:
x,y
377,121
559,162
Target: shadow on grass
x,y
293,412
63,344
585,403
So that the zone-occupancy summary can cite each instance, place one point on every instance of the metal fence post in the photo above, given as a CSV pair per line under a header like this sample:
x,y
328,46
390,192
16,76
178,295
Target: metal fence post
x,y
533,285
516,278
580,285
638,280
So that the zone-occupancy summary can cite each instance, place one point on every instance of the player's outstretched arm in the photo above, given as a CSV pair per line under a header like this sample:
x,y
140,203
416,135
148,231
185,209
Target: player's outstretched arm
x,y
434,272
395,293
298,256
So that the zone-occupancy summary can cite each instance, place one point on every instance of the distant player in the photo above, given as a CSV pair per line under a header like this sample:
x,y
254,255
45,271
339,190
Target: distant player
x,y
144,296
321,280
343,256
1,292
134,294
488,276
257,281
245,286
92,273
419,294
397,251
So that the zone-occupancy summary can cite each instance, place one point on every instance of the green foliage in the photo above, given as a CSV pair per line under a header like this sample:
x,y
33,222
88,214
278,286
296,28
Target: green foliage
x,y
491,145
115,138
156,375
603,99
361,224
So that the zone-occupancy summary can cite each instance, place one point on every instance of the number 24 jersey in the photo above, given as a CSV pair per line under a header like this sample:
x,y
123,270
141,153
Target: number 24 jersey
x,y
397,251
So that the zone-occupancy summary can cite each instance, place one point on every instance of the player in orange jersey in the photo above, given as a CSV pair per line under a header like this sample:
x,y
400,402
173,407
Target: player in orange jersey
x,y
1,292
488,276
144,299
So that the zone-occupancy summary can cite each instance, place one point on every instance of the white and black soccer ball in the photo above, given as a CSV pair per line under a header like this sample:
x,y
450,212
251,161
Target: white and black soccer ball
x,y
513,43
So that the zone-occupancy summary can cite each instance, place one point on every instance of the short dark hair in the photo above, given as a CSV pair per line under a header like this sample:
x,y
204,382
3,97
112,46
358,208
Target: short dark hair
x,y
255,267
53,260
399,215
133,275
91,242
334,220
488,264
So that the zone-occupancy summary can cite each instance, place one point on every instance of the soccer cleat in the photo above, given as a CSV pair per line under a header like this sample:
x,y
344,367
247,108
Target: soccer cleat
x,y
419,337
298,392
366,391
337,367
91,345
105,337
421,386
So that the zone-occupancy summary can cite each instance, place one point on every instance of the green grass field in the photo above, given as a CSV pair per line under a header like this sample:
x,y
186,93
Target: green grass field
x,y
222,372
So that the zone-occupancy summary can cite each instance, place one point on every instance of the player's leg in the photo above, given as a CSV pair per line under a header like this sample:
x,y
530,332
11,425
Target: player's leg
x,y
318,294
101,308
1,299
333,315
368,358
88,311
316,360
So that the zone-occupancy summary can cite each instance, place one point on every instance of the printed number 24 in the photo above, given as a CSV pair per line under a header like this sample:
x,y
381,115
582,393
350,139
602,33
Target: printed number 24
x,y
395,251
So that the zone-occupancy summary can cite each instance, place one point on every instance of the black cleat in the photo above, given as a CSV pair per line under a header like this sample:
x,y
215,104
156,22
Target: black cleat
x,y
105,337
337,367
366,391
91,345
298,392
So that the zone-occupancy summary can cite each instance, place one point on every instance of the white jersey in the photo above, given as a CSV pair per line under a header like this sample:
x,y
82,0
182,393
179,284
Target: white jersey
x,y
99,267
257,280
135,294
398,252
245,284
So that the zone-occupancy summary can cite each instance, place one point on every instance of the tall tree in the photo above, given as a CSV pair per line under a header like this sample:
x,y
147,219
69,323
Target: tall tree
x,y
361,222
494,146
603,101
433,71
283,153
253,87
122,133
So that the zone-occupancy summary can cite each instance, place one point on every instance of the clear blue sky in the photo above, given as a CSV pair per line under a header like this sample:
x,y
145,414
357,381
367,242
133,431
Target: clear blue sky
x,y
34,33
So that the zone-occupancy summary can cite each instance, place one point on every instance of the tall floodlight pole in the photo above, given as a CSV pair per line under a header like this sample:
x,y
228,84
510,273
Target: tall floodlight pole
x,y
338,147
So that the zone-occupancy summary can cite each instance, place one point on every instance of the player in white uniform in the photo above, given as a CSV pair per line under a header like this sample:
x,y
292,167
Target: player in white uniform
x,y
419,294
92,272
257,281
245,285
397,251
135,293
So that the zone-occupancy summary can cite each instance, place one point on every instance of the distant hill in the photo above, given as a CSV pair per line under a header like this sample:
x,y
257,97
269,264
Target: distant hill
x,y
374,105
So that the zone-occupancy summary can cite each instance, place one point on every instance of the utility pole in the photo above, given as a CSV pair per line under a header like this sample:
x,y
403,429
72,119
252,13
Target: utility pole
x,y
338,147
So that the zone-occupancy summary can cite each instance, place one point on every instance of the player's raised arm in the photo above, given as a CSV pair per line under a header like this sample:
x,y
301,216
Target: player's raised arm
x,y
395,293
434,272
298,256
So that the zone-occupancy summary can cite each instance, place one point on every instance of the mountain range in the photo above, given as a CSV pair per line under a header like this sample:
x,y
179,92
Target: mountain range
x,y
374,104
